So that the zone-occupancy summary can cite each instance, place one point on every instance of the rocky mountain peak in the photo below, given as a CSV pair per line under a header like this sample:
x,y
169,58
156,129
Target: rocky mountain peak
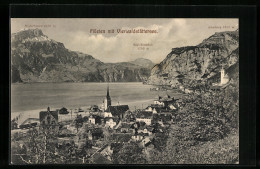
x,y
143,62
36,58
28,34
198,62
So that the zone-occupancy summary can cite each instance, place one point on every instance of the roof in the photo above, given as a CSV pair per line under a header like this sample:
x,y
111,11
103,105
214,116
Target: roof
x,y
65,132
165,98
29,120
117,110
156,105
148,144
141,134
44,113
125,125
96,130
144,114
107,119
142,127
157,109
94,116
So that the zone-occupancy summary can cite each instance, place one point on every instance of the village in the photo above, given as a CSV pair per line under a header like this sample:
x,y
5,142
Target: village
x,y
98,132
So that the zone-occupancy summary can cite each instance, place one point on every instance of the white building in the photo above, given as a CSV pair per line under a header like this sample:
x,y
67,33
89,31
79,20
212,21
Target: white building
x,y
144,116
147,121
224,79
92,120
110,123
108,114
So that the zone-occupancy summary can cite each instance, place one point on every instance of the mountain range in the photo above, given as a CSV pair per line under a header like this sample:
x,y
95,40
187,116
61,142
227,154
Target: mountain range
x,y
199,63
37,58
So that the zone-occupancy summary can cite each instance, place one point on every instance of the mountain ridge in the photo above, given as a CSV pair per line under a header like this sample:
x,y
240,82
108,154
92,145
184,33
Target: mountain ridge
x,y
200,62
36,58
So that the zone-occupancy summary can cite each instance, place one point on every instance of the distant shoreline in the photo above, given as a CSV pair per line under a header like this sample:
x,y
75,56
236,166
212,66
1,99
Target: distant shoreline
x,y
71,82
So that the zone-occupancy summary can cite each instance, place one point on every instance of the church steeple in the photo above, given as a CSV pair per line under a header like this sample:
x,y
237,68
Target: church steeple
x,y
107,100
108,90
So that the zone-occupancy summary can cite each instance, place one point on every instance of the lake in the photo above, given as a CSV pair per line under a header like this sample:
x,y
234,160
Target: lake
x,y
38,96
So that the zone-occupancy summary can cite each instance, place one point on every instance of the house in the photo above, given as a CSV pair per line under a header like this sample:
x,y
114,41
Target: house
x,y
94,119
30,122
63,110
172,107
94,108
118,111
149,109
139,136
109,122
107,114
146,141
64,132
129,117
95,133
158,101
125,127
49,120
145,129
144,116
153,108
163,101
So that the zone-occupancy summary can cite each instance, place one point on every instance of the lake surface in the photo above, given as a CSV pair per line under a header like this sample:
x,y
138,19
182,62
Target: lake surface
x,y
36,96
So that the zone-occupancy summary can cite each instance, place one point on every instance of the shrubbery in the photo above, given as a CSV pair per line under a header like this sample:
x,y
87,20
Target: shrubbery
x,y
206,130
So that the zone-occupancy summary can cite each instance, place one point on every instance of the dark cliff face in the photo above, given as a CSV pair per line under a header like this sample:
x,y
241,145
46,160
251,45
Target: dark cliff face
x,y
199,62
36,58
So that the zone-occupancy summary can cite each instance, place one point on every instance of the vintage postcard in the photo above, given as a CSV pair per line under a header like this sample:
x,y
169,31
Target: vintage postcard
x,y
124,91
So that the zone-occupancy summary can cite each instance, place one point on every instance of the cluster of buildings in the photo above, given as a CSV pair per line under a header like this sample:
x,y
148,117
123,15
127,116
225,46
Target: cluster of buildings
x,y
109,126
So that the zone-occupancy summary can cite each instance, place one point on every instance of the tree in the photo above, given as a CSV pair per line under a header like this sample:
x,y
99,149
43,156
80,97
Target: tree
x,y
206,130
130,153
79,122
40,147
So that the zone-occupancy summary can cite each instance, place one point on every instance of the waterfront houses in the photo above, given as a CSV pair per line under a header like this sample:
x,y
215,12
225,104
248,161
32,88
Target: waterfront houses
x,y
49,120
144,116
95,137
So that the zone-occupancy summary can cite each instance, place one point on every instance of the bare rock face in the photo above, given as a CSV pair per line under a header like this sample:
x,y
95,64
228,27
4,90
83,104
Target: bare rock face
x,y
36,58
199,62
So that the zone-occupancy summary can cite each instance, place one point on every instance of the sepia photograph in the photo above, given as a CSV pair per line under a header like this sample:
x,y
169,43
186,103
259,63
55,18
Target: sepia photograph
x,y
124,91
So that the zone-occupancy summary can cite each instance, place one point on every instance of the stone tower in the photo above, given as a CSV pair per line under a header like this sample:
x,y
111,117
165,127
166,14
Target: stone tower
x,y
222,75
107,100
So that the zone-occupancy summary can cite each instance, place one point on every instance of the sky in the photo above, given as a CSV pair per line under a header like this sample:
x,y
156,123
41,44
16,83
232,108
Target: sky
x,y
76,35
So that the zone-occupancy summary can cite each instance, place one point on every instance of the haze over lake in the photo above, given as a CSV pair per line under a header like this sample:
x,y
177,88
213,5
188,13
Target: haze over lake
x,y
34,96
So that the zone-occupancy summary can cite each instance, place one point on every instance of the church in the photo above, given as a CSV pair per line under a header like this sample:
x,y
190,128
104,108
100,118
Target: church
x,y
116,111
224,78
107,101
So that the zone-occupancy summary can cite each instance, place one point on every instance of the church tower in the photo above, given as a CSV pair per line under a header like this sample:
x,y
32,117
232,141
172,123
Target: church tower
x,y
107,100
